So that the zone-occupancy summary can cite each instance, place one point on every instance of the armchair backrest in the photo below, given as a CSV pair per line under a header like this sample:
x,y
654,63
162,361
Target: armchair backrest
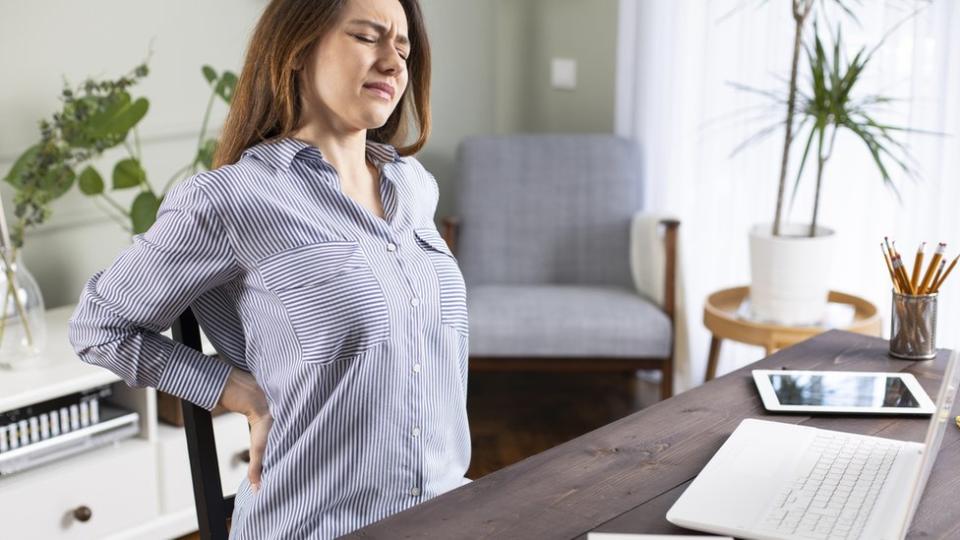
x,y
547,208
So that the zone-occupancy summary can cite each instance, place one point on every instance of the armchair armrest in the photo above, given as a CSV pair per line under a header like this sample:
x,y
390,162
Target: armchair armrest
x,y
670,227
451,229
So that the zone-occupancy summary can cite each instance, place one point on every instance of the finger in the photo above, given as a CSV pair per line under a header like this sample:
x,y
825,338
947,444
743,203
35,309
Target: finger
x,y
254,470
258,443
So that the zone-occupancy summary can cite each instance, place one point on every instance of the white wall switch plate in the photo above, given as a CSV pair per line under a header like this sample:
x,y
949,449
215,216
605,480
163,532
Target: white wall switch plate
x,y
563,73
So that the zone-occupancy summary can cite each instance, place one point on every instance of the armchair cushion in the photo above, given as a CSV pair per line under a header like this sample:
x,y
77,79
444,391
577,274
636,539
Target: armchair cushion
x,y
565,320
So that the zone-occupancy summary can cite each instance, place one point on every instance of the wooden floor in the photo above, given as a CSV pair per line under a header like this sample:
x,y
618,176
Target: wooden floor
x,y
515,415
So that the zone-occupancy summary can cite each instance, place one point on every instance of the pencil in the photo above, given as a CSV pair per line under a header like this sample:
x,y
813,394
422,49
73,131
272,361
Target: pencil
x,y
886,259
941,247
902,274
939,283
917,265
902,270
936,277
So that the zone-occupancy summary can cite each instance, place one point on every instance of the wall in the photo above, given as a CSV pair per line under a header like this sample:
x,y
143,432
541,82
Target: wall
x,y
490,75
105,39
532,32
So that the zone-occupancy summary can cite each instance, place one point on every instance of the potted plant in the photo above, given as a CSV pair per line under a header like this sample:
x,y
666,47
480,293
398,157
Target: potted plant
x,y
790,262
96,116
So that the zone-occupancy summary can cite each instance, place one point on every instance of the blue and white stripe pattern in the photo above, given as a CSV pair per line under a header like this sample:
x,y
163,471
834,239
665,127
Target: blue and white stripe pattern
x,y
354,325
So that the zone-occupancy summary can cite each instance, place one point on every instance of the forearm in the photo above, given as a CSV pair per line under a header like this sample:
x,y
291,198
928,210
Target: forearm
x,y
139,355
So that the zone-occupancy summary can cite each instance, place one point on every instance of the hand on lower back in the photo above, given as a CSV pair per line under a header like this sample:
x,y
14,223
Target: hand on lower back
x,y
241,394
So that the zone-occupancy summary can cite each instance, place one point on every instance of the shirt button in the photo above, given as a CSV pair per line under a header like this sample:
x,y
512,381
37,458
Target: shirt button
x,y
391,247
416,368
415,491
414,302
416,432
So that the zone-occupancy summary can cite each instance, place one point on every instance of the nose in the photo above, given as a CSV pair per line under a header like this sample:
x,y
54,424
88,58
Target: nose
x,y
390,61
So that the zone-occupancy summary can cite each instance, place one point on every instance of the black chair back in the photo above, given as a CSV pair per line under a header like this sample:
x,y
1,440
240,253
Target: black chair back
x,y
213,508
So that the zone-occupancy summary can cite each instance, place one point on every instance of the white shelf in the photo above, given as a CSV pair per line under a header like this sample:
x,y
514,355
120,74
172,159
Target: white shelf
x,y
138,488
58,371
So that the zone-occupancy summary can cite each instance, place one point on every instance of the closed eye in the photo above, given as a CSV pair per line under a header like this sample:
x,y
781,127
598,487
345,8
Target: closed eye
x,y
367,39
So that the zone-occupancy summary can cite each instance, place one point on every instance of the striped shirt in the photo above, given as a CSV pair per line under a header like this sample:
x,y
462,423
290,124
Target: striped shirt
x,y
355,327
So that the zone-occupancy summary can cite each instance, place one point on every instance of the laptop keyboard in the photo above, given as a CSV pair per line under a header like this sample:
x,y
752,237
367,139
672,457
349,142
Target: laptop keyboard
x,y
834,498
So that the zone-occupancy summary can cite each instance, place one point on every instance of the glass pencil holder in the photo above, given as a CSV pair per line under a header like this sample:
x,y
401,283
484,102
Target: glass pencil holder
x,y
913,326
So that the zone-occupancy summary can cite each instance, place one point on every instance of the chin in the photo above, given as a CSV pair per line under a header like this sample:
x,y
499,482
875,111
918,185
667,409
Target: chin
x,y
375,120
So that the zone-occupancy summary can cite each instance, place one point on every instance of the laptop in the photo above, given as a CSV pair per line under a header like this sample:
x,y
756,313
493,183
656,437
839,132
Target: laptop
x,y
772,480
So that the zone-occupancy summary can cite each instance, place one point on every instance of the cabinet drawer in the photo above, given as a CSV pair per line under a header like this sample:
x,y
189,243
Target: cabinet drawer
x,y
232,437
116,483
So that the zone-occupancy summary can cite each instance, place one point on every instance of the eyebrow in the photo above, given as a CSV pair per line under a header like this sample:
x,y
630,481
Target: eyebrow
x,y
380,28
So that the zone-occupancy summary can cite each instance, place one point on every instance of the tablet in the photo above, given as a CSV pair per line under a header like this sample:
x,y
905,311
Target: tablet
x,y
849,392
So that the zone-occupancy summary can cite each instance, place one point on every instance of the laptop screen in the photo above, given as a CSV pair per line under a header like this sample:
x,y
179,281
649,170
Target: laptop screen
x,y
938,424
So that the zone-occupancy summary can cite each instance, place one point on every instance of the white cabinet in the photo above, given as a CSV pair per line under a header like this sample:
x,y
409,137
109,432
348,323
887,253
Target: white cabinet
x,y
43,502
137,488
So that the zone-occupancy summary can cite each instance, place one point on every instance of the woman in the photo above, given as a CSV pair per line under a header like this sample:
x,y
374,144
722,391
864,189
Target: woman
x,y
311,260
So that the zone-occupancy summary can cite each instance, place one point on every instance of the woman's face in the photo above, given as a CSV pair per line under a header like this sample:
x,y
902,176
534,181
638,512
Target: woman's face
x,y
366,49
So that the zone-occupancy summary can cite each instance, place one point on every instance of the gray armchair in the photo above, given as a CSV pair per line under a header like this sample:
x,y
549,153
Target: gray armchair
x,y
542,236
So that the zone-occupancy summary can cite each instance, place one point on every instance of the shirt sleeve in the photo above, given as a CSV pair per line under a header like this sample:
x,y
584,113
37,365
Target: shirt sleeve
x,y
123,309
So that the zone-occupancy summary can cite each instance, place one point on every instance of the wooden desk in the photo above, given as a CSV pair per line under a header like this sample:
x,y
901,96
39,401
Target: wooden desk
x,y
624,476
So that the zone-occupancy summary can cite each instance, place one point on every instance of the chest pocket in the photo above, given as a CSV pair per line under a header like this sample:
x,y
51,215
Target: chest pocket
x,y
332,298
453,292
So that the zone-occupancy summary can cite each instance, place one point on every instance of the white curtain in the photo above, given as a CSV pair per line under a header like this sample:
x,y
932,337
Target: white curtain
x,y
676,62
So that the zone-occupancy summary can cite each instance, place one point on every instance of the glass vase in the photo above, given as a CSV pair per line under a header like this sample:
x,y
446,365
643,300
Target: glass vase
x,y
23,331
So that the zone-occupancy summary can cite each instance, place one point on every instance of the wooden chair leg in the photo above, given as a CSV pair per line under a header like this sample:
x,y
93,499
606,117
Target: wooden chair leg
x,y
666,379
713,358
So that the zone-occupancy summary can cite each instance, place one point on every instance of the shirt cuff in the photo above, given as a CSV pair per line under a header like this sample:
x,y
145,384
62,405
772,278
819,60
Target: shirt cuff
x,y
194,376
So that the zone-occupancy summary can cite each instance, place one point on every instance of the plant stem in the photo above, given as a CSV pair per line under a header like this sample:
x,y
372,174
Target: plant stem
x,y
11,288
120,220
821,163
130,150
136,140
801,8
6,296
203,127
185,168
115,204
3,319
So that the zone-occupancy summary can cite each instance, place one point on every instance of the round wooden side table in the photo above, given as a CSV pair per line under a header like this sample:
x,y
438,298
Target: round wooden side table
x,y
721,318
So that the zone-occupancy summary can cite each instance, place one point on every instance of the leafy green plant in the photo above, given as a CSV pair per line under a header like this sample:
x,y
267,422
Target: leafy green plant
x,y
96,116
800,11
830,106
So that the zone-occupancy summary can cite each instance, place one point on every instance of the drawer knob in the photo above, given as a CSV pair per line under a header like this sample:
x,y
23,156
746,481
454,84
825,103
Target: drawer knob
x,y
82,513
244,456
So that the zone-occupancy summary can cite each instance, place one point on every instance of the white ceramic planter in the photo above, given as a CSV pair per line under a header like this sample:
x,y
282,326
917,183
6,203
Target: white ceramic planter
x,y
790,274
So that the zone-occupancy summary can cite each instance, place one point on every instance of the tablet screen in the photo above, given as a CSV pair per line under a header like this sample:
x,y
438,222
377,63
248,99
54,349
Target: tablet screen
x,y
842,390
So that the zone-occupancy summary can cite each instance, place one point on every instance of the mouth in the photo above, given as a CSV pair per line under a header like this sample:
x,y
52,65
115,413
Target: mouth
x,y
383,90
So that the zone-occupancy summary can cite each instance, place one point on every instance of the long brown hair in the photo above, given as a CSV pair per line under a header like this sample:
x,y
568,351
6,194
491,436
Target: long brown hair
x,y
266,102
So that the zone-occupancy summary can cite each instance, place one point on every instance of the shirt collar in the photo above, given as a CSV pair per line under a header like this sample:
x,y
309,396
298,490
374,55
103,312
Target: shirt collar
x,y
280,152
